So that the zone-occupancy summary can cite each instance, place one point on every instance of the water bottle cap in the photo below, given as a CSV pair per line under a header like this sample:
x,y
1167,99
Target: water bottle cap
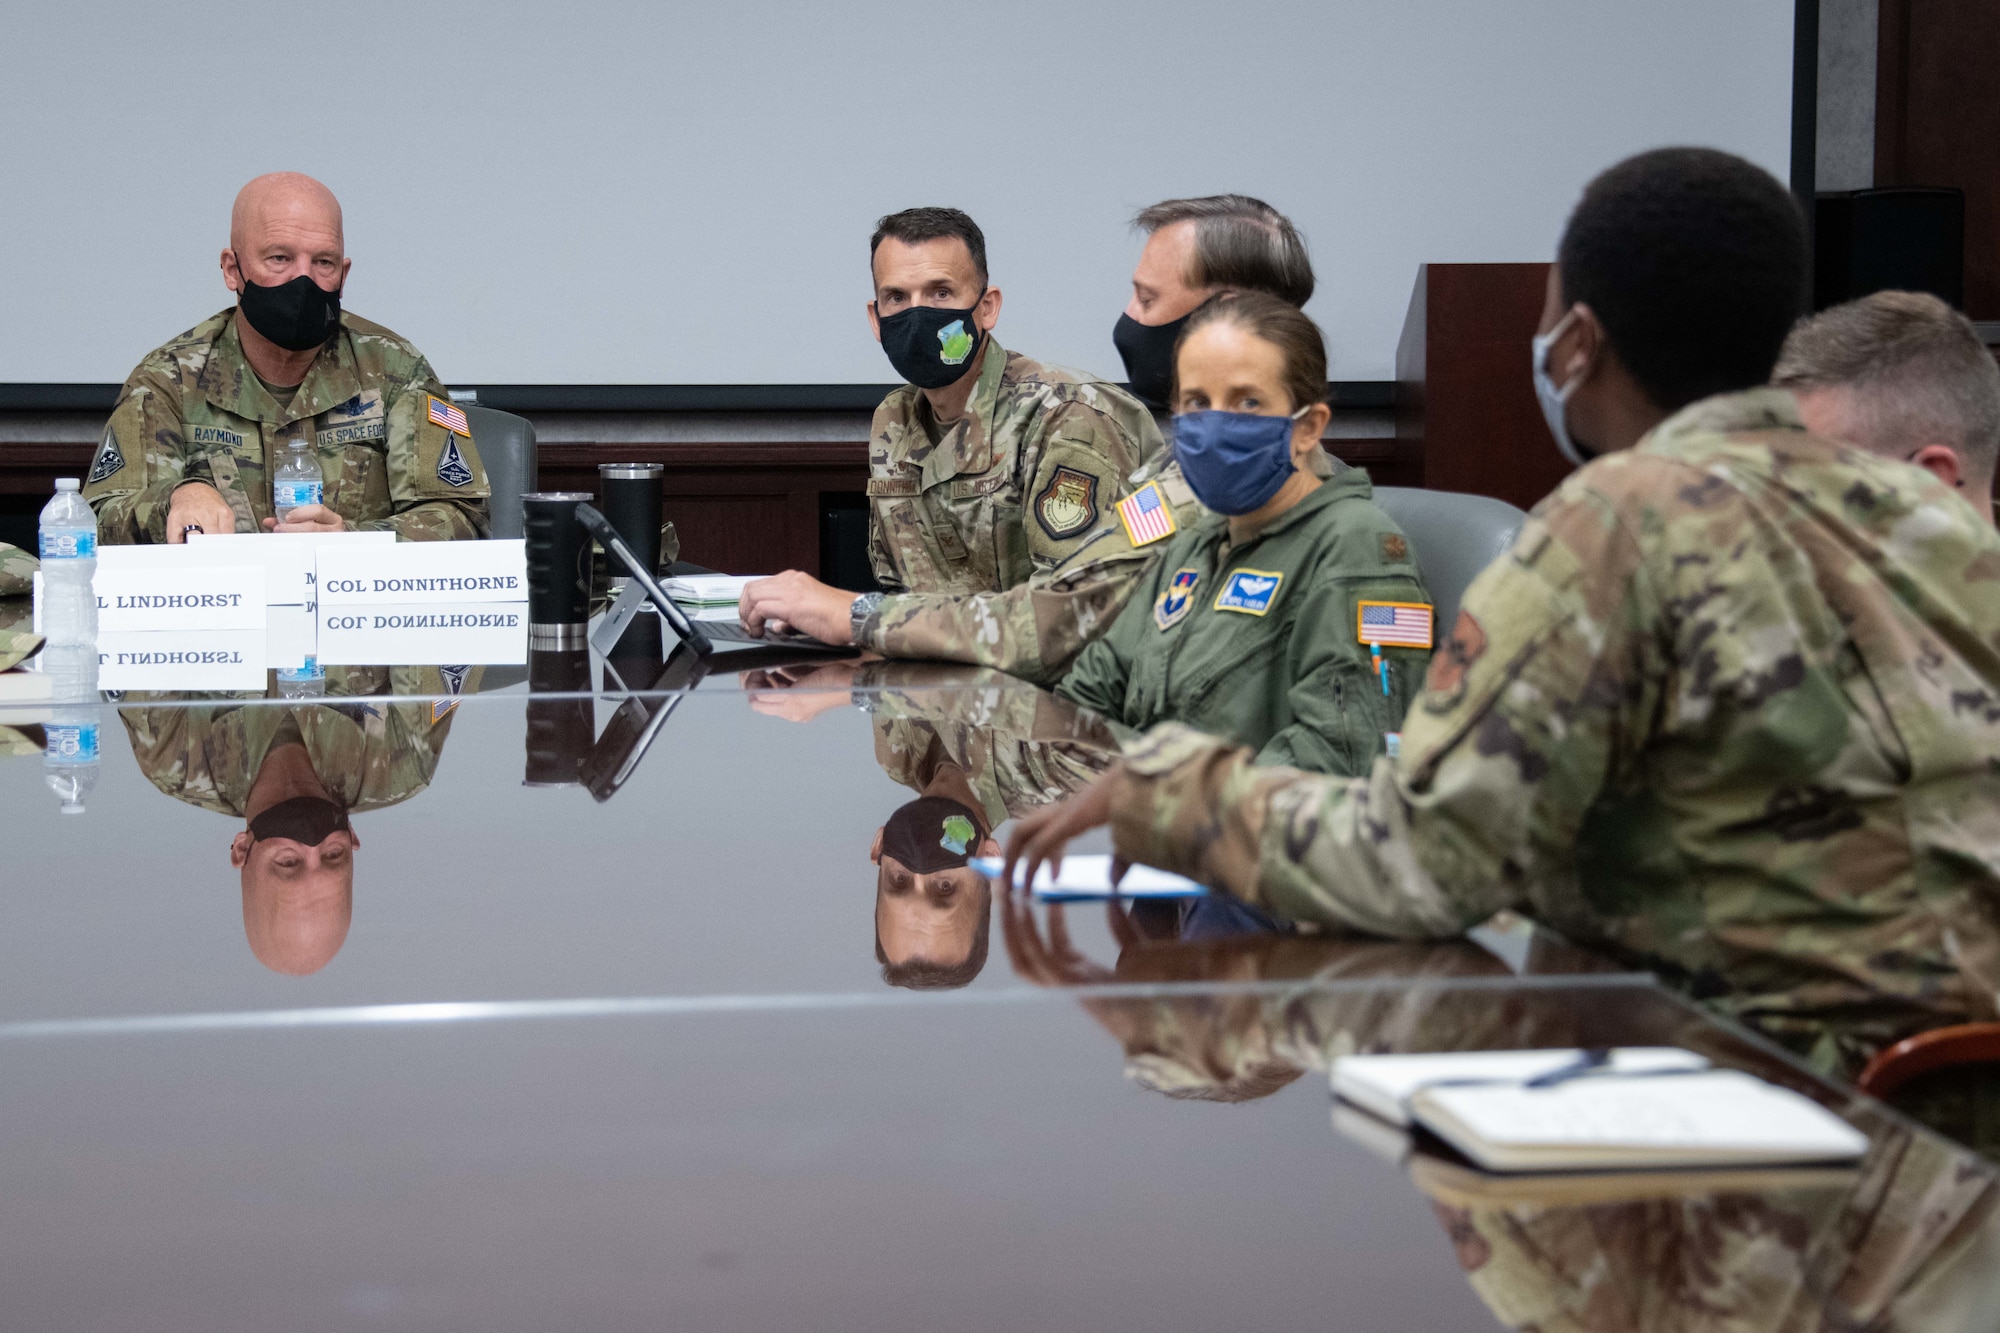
x,y
68,484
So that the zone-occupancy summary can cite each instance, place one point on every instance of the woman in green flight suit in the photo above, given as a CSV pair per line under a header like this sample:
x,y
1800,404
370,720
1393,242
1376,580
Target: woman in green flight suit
x,y
1291,617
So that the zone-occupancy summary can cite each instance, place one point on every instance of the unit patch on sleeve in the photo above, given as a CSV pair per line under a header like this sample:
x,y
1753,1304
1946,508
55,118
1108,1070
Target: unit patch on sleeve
x,y
1147,516
1250,591
109,460
452,470
1068,504
1173,604
1393,624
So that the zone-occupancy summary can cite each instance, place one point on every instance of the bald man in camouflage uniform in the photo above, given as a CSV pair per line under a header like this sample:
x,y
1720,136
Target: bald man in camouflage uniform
x,y
198,413
1729,709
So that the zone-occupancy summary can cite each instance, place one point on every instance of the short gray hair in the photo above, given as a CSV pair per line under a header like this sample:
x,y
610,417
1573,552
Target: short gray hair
x,y
1238,242
1918,370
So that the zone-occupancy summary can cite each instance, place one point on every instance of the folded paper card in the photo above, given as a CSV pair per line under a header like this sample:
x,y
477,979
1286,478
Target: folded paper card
x,y
288,559
182,600
411,573
485,633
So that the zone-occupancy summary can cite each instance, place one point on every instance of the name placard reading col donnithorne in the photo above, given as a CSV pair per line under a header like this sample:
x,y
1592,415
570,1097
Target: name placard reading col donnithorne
x,y
419,573
193,597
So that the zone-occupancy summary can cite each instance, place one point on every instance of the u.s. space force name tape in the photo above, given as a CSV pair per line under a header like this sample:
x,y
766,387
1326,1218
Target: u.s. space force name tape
x,y
416,573
483,633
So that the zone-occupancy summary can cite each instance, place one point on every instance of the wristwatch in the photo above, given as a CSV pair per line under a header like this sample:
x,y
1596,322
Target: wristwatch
x,y
857,615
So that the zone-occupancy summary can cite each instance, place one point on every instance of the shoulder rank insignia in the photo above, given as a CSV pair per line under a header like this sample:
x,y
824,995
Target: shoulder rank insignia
x,y
1147,516
1393,624
1173,604
1250,591
1068,504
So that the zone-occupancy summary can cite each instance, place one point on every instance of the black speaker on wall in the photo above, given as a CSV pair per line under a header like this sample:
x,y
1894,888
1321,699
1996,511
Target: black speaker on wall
x,y
1903,238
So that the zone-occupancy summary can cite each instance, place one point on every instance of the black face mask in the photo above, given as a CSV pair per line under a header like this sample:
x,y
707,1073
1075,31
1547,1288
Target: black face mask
x,y
1148,350
933,833
297,315
306,819
931,347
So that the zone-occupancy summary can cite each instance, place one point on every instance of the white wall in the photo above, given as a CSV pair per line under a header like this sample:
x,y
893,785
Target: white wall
x,y
595,192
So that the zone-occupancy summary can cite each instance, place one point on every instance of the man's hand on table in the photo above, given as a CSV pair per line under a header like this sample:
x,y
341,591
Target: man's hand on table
x,y
307,518
1045,834
800,694
197,505
800,602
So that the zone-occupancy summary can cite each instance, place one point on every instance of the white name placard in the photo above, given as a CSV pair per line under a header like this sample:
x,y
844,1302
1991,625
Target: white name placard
x,y
288,559
290,634
369,634
198,597
413,573
181,660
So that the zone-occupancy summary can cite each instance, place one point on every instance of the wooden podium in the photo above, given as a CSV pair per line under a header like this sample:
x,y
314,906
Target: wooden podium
x,y
1465,394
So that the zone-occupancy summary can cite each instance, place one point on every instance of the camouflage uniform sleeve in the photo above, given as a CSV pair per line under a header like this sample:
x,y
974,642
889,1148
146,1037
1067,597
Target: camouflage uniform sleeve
x,y
1081,468
1102,670
1036,629
1339,708
1543,676
437,485
140,462
17,571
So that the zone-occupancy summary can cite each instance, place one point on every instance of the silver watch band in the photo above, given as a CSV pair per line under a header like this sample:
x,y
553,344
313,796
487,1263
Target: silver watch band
x,y
862,608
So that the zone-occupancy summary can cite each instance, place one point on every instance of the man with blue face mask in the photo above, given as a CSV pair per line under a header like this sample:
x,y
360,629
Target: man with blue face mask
x,y
985,468
1728,710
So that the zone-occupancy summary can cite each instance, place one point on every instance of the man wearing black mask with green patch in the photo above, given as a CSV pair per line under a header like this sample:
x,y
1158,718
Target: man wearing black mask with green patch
x,y
986,468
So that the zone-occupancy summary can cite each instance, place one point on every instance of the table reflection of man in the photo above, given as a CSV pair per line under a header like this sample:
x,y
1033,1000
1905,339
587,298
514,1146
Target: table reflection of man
x,y
295,773
993,744
932,910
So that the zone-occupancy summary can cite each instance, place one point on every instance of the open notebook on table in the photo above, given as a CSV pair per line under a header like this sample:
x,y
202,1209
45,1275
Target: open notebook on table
x,y
1568,1110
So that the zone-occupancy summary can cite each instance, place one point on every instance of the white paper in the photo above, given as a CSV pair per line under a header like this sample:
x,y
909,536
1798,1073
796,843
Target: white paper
x,y
199,597
709,589
1720,1114
472,633
291,635
288,559
184,660
1383,1084
1087,875
412,573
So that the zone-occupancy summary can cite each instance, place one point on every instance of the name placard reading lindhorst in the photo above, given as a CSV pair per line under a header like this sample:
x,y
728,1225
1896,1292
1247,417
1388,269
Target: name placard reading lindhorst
x,y
194,597
419,573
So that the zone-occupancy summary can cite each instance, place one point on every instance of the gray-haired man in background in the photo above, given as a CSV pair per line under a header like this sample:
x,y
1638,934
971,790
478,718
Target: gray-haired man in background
x,y
1902,375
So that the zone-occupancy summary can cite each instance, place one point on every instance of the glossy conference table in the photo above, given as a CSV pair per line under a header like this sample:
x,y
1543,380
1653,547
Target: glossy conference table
x,y
631,1064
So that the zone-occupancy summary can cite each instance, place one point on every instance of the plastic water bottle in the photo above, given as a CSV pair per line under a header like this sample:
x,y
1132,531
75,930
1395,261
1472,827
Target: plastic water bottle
x,y
69,562
70,764
302,682
298,482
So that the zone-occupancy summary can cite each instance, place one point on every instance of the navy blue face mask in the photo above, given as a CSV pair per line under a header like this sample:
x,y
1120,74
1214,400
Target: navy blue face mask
x,y
1234,461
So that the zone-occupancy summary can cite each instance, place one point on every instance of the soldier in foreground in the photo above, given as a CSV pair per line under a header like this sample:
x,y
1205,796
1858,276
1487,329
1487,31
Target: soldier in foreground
x,y
1729,709
204,421
1903,375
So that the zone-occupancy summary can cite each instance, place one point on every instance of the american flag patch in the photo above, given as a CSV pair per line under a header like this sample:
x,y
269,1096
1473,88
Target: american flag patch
x,y
1394,624
1146,515
450,416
